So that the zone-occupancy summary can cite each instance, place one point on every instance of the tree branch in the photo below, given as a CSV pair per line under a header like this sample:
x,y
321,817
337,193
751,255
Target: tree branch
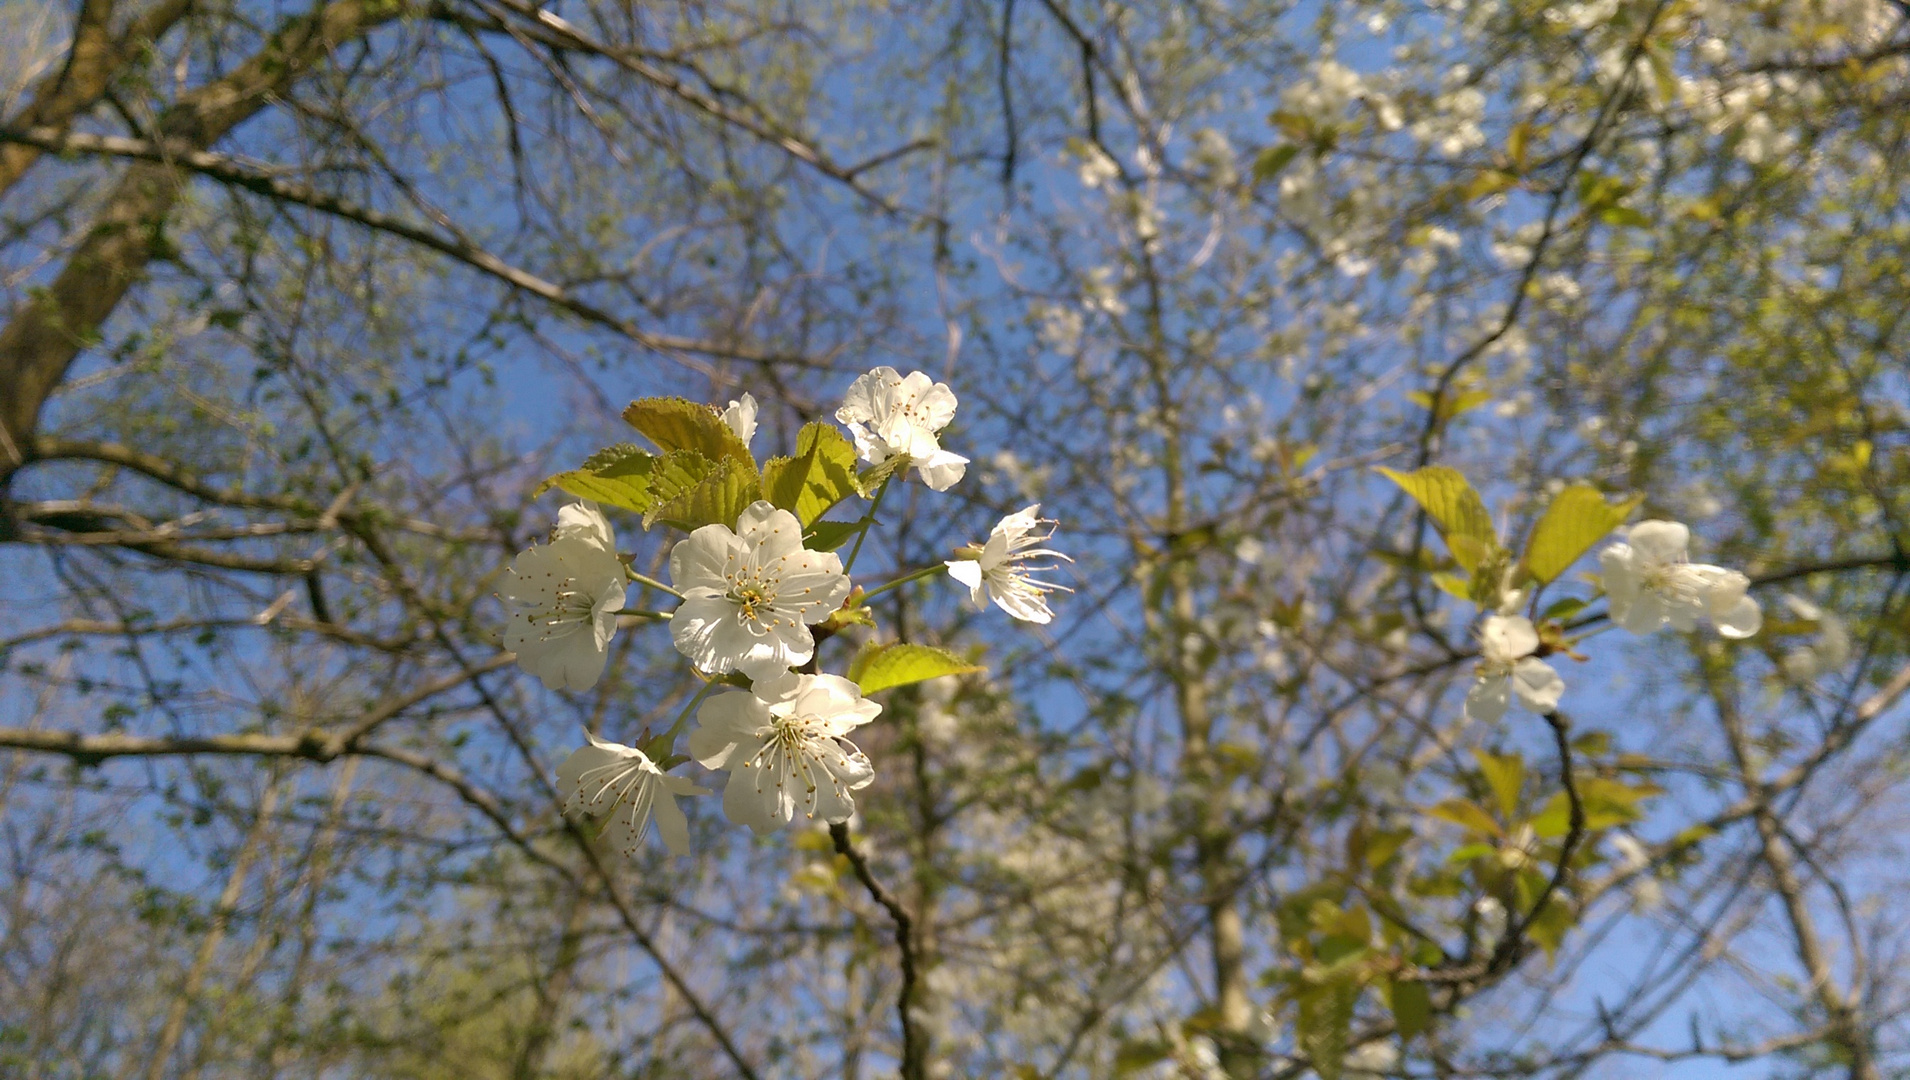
x,y
914,1057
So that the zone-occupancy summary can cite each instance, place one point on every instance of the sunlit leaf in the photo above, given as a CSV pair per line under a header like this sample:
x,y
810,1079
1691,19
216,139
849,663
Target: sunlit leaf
x,y
1506,775
1467,815
680,424
821,474
1449,499
885,666
1578,518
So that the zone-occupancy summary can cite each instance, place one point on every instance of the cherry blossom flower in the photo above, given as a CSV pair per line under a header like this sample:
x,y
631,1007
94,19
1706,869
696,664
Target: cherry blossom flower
x,y
785,745
748,594
890,415
563,598
622,783
1651,581
1826,652
740,417
1000,571
1507,669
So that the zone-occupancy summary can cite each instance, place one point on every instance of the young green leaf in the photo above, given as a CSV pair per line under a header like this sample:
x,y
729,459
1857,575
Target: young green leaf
x,y
718,497
885,666
1412,1008
1449,499
1467,815
830,535
1506,775
1578,518
821,474
1323,1023
620,475
869,479
681,424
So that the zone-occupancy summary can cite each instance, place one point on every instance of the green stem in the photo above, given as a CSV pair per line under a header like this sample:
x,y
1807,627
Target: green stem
x,y
913,575
661,746
639,613
644,579
868,522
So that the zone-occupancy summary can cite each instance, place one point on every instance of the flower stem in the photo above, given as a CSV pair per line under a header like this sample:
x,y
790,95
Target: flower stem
x,y
868,521
663,744
644,579
913,575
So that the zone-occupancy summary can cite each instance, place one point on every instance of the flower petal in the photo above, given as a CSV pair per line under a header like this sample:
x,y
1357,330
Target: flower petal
x,y
1742,620
1024,604
706,629
1488,698
753,797
583,520
702,560
1537,685
772,532
969,573
672,826
726,721
1505,638
1647,613
740,417
1660,541
941,470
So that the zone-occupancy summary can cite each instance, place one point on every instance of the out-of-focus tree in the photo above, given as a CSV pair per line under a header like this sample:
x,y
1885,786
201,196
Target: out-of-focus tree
x,y
303,300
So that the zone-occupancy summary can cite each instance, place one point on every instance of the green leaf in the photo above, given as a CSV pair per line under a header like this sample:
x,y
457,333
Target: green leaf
x,y
633,479
1449,499
1135,1056
1270,162
830,535
1323,1023
681,424
620,475
1412,1008
1451,405
1549,925
1466,815
1506,775
1465,853
1578,518
885,666
718,497
1562,608
821,474
871,478
1606,803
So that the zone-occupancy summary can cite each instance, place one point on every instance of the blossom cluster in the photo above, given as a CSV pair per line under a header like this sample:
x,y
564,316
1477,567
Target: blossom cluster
x,y
752,589
1649,581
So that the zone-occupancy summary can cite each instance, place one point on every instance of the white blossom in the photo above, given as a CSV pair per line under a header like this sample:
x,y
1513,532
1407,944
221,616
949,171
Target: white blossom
x,y
1651,581
1634,859
740,417
1492,919
749,594
1828,651
784,742
1507,669
1000,570
563,598
889,415
622,783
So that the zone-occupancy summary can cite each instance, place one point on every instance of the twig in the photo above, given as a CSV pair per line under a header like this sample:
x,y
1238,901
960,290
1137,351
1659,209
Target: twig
x,y
914,1057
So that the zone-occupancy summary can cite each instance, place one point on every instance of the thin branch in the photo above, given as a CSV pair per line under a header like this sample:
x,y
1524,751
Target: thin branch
x,y
914,1051
256,179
